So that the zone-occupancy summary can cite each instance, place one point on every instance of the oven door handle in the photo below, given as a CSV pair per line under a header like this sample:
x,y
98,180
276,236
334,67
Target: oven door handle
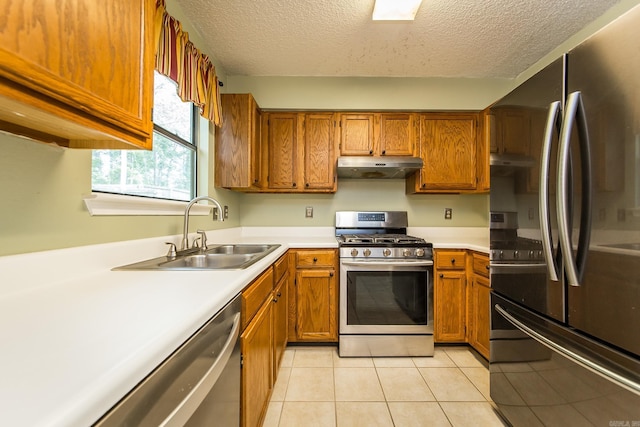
x,y
389,263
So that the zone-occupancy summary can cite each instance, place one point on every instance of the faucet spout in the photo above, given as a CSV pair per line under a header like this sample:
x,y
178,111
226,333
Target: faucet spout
x,y
185,238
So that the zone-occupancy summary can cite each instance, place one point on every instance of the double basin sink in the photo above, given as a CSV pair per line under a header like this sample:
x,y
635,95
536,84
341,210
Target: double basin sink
x,y
222,257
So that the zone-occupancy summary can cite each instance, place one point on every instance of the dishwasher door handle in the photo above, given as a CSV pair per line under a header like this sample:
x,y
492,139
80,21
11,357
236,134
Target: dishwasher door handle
x,y
185,409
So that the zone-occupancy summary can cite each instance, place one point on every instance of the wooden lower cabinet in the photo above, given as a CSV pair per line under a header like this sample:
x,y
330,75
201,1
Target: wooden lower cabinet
x,y
313,296
449,294
280,322
462,298
480,314
257,368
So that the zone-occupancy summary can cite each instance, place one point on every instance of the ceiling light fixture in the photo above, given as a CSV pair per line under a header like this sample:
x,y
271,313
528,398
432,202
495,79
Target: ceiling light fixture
x,y
395,10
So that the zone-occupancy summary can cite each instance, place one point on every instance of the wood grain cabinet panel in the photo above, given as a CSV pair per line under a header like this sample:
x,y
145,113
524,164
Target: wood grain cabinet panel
x,y
397,134
480,314
257,367
238,148
79,74
357,137
319,151
282,142
280,322
448,150
450,296
313,296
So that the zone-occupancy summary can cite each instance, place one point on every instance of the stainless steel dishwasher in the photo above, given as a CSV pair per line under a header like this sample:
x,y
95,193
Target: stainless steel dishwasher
x,y
198,385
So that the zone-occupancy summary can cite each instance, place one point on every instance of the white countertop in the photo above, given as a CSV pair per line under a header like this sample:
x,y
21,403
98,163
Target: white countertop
x,y
77,336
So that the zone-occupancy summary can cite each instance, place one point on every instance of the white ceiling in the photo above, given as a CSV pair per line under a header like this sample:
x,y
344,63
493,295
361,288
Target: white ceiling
x,y
454,38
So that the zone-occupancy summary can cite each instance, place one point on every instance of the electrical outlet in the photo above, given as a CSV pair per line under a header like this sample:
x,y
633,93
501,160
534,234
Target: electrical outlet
x,y
308,212
225,212
448,212
531,214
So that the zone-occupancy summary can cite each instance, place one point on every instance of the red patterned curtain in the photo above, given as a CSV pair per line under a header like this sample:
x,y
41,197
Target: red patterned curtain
x,y
178,59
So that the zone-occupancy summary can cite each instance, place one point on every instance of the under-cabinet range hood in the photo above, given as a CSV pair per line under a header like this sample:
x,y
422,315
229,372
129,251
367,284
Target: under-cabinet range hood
x,y
376,167
504,164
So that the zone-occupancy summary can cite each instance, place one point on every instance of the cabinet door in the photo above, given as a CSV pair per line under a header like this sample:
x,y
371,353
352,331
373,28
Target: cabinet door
x,y
80,71
448,149
513,130
319,151
449,303
282,139
238,156
397,134
316,303
357,134
480,301
280,322
257,367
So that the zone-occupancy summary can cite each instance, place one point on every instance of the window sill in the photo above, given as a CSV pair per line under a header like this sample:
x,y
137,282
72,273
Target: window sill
x,y
116,204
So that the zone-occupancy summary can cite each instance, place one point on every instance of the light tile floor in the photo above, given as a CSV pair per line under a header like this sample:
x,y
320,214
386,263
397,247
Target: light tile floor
x,y
316,387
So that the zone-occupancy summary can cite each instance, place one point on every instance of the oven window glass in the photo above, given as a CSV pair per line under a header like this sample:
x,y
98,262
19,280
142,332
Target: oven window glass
x,y
387,298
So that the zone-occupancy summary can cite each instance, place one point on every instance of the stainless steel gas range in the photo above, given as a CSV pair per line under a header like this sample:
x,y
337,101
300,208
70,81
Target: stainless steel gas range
x,y
386,286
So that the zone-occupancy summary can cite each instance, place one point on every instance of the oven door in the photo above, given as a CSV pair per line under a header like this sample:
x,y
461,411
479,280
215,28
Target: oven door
x,y
528,284
386,297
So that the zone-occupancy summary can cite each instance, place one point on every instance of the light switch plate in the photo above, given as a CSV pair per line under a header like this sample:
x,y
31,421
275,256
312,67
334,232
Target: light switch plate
x,y
308,212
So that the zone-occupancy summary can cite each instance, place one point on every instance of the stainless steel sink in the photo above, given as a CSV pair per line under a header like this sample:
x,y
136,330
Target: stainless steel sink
x,y
631,246
222,257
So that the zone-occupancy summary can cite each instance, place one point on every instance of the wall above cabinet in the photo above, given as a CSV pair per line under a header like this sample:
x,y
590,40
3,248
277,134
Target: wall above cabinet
x,y
84,83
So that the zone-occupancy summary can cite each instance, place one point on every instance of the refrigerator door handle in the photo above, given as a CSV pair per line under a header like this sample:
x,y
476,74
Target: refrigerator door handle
x,y
574,115
544,211
596,368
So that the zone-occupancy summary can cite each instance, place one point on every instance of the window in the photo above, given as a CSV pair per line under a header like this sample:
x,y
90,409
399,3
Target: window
x,y
166,172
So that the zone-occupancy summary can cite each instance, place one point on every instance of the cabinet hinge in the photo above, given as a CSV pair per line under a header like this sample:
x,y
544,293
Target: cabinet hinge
x,y
241,360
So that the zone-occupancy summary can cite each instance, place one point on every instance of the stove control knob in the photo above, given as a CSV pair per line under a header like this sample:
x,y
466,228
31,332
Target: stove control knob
x,y
540,254
531,254
354,252
367,252
420,252
386,252
406,252
516,254
501,254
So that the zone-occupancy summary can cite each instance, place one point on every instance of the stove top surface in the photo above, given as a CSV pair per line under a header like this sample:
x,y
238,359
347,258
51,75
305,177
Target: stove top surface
x,y
374,239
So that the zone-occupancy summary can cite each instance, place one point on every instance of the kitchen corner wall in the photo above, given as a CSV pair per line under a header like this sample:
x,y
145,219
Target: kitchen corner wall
x,y
349,93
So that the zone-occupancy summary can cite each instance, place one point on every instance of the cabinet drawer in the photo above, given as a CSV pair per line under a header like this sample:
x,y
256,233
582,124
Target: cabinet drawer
x,y
280,268
255,295
320,258
450,260
481,265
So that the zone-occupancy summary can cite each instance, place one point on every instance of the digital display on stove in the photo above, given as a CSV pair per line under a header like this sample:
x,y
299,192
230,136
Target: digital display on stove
x,y
370,216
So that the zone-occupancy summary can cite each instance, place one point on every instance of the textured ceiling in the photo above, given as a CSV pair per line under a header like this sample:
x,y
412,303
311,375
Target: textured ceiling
x,y
449,38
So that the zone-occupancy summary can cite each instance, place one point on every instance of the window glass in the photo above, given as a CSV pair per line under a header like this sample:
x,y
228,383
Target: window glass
x,y
166,172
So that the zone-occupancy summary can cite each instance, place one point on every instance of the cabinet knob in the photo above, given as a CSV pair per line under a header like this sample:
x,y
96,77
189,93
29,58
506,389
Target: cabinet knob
x,y
487,267
384,152
424,185
307,185
315,259
441,275
331,274
279,294
370,151
275,300
453,260
294,184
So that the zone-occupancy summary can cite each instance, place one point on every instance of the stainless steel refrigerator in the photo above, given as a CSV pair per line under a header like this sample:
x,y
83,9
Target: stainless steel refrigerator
x,y
565,321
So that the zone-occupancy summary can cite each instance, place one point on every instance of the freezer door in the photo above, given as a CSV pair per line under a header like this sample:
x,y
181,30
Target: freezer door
x,y
604,70
542,374
523,125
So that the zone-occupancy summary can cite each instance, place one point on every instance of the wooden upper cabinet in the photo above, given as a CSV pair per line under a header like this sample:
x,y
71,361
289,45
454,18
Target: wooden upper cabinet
x,y
448,150
397,134
238,143
377,134
513,130
282,142
357,134
319,151
78,74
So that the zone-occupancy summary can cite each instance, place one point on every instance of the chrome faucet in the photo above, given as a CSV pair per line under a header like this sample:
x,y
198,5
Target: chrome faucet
x,y
185,238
